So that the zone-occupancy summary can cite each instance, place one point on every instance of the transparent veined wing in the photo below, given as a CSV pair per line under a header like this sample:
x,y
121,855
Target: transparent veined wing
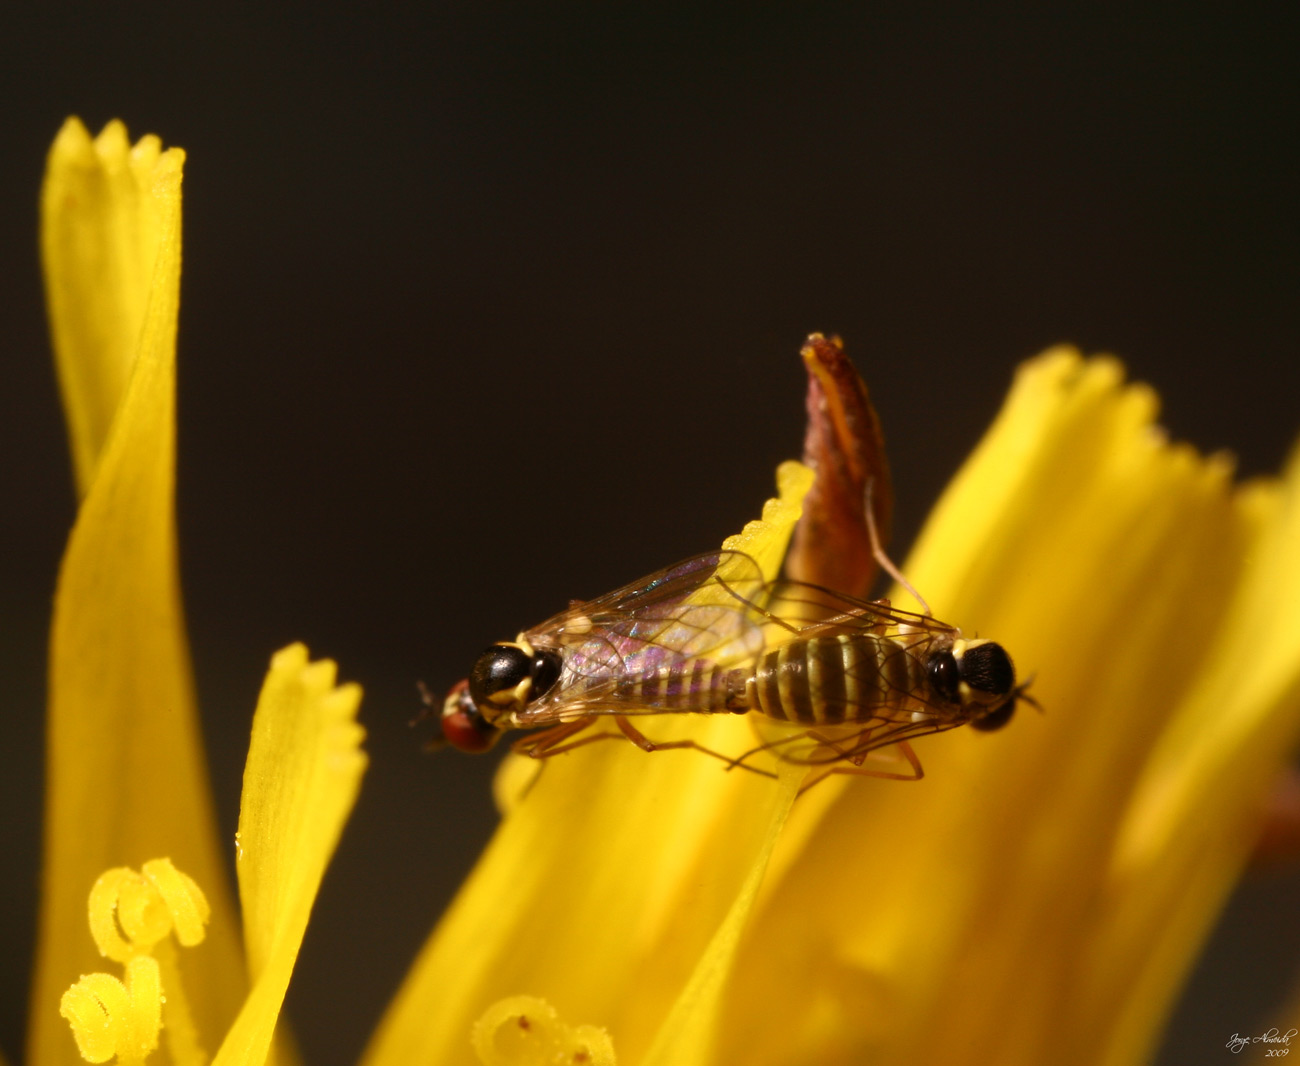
x,y
705,607
715,608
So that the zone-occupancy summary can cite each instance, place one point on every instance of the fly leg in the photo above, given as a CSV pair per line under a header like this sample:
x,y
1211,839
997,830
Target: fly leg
x,y
555,741
646,744
740,761
886,563
551,741
844,747
844,755
858,770
904,749
854,750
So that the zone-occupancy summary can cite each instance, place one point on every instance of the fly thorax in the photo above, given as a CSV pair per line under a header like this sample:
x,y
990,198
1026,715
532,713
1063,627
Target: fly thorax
x,y
507,677
986,685
986,674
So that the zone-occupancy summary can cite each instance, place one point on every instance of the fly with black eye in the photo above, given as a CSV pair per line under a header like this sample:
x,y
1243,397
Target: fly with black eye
x,y
831,677
840,677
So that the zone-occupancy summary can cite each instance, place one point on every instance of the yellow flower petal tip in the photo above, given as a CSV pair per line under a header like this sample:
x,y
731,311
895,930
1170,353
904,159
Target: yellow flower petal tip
x,y
108,210
300,695
301,780
527,1031
113,1018
766,538
130,912
294,676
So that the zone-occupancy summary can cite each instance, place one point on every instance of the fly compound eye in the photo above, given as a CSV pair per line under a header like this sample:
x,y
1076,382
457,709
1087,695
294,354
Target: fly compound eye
x,y
997,718
987,668
546,671
463,726
945,675
498,672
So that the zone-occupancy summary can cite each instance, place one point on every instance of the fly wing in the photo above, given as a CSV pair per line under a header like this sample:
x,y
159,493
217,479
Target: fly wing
x,y
709,607
808,611
716,608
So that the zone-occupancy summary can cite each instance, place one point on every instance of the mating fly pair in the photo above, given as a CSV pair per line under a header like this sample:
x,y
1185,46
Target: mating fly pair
x,y
832,677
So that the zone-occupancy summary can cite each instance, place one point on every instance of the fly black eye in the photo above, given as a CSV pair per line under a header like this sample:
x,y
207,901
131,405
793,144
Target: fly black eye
x,y
546,671
987,668
499,669
995,719
944,675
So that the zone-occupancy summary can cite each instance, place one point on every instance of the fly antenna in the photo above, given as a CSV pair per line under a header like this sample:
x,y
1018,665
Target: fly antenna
x,y
428,711
886,563
1021,694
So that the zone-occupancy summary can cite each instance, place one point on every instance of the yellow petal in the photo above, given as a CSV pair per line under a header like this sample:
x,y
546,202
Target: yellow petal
x,y
765,540
1036,897
687,1035
603,890
300,782
1191,822
125,774
102,223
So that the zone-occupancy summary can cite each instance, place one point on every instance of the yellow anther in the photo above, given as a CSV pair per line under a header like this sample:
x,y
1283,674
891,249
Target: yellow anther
x,y
527,1031
111,1018
130,912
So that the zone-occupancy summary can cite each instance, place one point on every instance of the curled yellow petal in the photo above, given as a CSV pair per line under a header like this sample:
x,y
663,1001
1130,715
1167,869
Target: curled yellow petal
x,y
300,782
125,774
527,1031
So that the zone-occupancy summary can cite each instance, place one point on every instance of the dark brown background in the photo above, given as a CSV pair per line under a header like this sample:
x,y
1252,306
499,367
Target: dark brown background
x,y
485,309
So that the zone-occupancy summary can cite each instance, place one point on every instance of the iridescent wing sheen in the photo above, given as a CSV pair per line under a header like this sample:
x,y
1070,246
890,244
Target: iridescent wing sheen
x,y
715,607
708,606
655,597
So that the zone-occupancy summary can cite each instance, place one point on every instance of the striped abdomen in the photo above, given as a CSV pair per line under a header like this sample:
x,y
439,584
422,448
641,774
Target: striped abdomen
x,y
698,685
846,678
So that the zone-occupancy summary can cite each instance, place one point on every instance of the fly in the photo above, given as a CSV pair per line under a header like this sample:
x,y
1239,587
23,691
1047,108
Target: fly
x,y
841,677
